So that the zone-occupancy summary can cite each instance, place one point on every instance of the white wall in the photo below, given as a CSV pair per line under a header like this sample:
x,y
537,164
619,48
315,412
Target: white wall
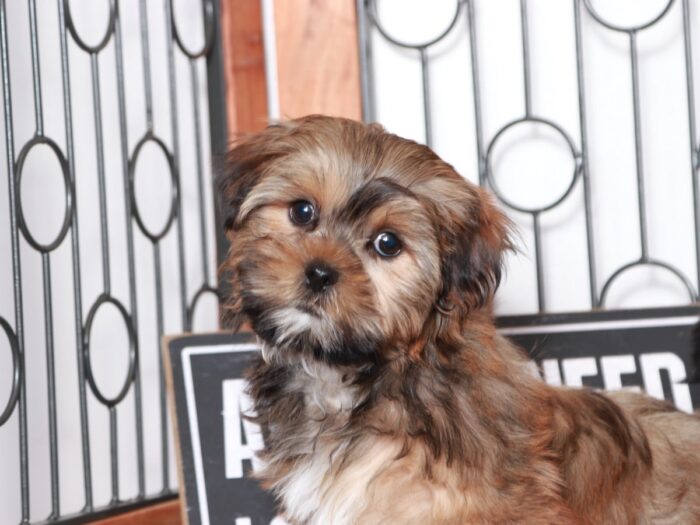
x,y
43,203
535,166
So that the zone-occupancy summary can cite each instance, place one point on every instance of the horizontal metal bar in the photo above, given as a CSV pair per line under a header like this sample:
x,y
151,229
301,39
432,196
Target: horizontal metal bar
x,y
109,511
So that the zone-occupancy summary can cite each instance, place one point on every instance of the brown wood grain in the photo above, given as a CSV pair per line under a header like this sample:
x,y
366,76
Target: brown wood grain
x,y
317,58
160,514
244,64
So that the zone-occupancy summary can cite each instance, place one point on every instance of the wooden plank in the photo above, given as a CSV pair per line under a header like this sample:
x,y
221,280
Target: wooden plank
x,y
168,373
160,514
244,64
317,58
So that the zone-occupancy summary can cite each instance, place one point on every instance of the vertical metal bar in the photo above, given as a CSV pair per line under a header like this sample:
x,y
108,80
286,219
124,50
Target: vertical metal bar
x,y
99,146
638,147
204,241
175,130
427,112
364,51
538,262
146,62
51,384
113,454
161,374
104,249
75,247
16,266
36,69
585,167
476,88
121,98
526,57
216,86
692,133
527,88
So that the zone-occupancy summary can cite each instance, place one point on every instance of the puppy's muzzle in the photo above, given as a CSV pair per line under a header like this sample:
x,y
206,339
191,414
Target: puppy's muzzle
x,y
320,276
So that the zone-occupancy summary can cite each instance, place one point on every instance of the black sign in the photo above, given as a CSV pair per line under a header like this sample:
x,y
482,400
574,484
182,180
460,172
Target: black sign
x,y
217,446
646,350
642,349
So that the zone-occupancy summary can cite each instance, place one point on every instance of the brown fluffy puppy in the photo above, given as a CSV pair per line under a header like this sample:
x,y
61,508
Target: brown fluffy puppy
x,y
367,266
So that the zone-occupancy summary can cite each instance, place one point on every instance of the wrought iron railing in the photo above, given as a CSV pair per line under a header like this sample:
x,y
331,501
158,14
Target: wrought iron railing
x,y
372,29
127,244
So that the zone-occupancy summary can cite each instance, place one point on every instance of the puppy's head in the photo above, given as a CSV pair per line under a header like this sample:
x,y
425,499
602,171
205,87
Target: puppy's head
x,y
348,242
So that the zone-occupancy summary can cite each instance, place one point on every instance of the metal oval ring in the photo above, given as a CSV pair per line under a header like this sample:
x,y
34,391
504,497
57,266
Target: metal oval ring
x,y
131,371
16,372
649,262
174,191
208,32
205,288
574,153
622,29
68,194
372,11
79,41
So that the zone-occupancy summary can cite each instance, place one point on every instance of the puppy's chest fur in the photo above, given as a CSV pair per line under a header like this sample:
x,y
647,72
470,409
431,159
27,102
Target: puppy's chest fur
x,y
327,392
330,461
305,457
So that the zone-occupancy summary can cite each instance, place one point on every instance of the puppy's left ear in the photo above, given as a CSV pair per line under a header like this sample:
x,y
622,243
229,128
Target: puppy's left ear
x,y
475,240
244,167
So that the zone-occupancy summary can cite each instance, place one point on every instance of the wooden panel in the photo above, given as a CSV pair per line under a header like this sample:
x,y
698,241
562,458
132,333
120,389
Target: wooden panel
x,y
244,64
317,58
161,514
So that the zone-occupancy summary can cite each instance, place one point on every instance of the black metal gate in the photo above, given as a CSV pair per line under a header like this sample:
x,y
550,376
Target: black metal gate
x,y
76,275
372,29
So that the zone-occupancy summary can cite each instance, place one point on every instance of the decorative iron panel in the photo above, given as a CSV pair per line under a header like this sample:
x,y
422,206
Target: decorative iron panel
x,y
464,32
111,114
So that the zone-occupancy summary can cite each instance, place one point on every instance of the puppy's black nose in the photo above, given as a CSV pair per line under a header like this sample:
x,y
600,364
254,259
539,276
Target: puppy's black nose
x,y
320,276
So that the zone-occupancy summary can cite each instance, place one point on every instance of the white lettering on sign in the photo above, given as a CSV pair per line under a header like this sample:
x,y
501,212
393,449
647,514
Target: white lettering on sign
x,y
576,368
652,364
236,428
550,370
612,368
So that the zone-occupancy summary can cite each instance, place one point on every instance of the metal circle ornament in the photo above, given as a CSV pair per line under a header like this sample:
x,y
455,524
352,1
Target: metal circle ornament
x,y
16,372
131,368
68,195
208,32
626,29
93,49
576,169
646,263
203,290
154,236
374,15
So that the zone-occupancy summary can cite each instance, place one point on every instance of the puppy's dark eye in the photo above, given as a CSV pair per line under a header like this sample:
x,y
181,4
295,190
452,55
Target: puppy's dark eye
x,y
387,244
302,213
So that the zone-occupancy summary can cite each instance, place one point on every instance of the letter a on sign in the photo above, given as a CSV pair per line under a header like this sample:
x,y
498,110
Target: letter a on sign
x,y
242,438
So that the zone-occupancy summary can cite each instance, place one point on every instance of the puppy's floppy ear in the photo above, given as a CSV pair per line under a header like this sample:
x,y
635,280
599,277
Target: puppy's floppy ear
x,y
243,168
475,237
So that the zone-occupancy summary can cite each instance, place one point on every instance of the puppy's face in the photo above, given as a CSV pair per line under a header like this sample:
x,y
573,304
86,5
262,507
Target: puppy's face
x,y
347,241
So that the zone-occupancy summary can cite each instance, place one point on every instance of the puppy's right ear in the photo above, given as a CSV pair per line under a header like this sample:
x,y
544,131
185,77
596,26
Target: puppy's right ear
x,y
244,167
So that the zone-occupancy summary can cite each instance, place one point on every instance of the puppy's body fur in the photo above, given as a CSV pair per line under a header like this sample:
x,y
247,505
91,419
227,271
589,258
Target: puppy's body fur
x,y
389,397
